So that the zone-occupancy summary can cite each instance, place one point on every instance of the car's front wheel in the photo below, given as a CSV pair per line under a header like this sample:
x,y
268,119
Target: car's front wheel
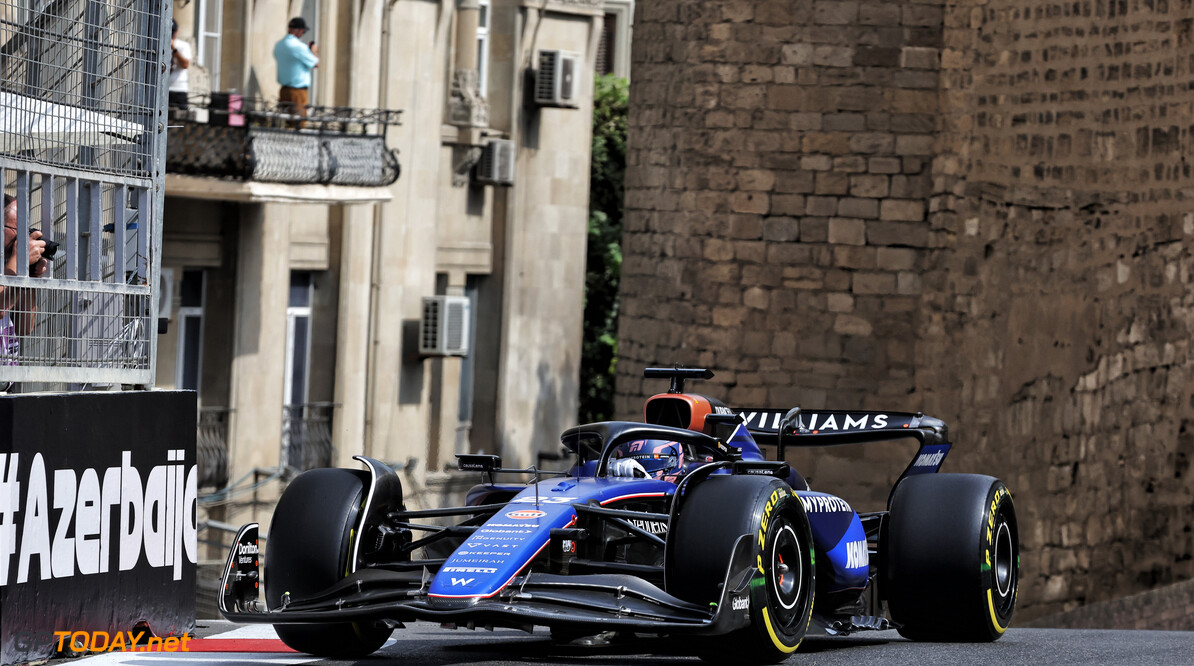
x,y
310,541
714,515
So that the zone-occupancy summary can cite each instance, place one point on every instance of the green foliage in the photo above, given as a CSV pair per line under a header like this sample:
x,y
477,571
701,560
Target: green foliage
x,y
599,353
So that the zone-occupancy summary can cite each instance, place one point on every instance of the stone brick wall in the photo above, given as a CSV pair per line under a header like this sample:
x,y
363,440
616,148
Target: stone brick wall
x,y
980,210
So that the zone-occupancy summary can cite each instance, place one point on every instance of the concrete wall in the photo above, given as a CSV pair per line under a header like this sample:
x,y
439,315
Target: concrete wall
x,y
976,210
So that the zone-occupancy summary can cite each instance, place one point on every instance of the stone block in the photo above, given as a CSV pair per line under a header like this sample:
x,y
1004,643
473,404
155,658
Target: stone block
x,y
756,180
869,185
834,143
756,298
884,165
717,249
821,206
795,181
833,56
877,56
860,208
911,187
875,13
847,231
844,122
834,12
930,16
846,324
905,234
902,210
832,182
850,164
873,283
787,204
872,142
814,229
781,229
805,121
839,302
785,97
816,162
896,258
746,227
750,202
800,55
756,74
919,57
914,144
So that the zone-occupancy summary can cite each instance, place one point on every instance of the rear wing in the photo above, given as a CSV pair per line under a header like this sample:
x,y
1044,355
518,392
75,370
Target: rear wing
x,y
793,427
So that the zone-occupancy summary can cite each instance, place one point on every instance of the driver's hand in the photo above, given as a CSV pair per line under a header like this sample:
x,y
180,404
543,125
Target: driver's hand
x,y
627,467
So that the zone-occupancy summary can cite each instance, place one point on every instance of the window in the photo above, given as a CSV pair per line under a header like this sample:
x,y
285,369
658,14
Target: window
x,y
190,331
483,47
209,16
298,338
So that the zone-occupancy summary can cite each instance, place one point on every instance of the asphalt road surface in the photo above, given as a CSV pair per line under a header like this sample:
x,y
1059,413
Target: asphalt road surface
x,y
425,644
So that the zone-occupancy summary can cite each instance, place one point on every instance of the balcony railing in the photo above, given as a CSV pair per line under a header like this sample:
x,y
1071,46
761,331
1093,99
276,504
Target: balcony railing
x,y
255,140
211,445
307,435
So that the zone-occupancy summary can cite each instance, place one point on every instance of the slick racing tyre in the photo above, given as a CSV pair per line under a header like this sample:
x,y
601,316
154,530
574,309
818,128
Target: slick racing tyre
x,y
951,559
309,543
715,513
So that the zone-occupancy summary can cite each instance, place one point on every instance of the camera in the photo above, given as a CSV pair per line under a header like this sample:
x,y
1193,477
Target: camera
x,y
51,247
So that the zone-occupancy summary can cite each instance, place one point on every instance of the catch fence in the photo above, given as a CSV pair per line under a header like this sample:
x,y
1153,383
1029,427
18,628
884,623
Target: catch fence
x,y
82,151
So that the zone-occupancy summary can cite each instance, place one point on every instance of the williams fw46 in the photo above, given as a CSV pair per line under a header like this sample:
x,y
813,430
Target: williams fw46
x,y
677,526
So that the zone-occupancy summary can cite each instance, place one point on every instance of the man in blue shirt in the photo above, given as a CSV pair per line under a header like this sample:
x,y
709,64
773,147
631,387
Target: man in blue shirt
x,y
295,60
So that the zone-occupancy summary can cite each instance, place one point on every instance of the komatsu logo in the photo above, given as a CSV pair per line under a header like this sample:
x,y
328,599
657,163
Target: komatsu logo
x,y
929,459
856,555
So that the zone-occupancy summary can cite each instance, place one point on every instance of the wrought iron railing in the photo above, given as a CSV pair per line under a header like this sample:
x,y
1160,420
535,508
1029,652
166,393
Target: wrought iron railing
x,y
307,435
254,140
211,446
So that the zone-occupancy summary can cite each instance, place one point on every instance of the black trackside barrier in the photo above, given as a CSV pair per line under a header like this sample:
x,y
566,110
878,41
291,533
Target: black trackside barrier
x,y
97,517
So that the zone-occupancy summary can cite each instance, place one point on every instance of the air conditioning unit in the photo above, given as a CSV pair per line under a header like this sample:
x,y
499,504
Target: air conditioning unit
x,y
496,165
556,81
445,326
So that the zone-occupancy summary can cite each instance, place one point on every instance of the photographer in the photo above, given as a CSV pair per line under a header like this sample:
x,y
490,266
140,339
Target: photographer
x,y
19,306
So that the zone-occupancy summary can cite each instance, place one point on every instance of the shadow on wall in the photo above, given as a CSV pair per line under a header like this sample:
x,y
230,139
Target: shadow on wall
x,y
552,404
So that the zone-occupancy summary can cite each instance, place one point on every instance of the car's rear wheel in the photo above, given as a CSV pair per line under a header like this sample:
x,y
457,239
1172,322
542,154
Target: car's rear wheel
x,y
951,558
308,550
714,515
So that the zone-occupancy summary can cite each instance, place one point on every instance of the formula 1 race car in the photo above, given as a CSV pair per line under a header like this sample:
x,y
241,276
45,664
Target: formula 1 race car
x,y
677,526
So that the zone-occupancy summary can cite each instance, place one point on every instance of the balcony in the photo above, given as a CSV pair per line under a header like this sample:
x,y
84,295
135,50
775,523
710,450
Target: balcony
x,y
249,141
307,436
211,446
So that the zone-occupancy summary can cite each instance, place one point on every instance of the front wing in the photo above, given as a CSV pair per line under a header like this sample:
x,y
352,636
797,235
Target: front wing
x,y
600,601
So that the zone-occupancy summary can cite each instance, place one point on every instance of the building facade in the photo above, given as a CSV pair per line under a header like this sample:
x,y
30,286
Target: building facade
x,y
296,307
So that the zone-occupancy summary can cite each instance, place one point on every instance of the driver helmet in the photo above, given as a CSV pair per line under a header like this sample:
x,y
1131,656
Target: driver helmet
x,y
659,457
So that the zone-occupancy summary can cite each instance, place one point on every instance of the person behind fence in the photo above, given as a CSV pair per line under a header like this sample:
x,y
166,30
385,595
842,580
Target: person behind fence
x,y
19,305
180,62
295,60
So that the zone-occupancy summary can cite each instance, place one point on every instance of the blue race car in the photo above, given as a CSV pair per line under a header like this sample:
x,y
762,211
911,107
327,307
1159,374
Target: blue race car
x,y
676,526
